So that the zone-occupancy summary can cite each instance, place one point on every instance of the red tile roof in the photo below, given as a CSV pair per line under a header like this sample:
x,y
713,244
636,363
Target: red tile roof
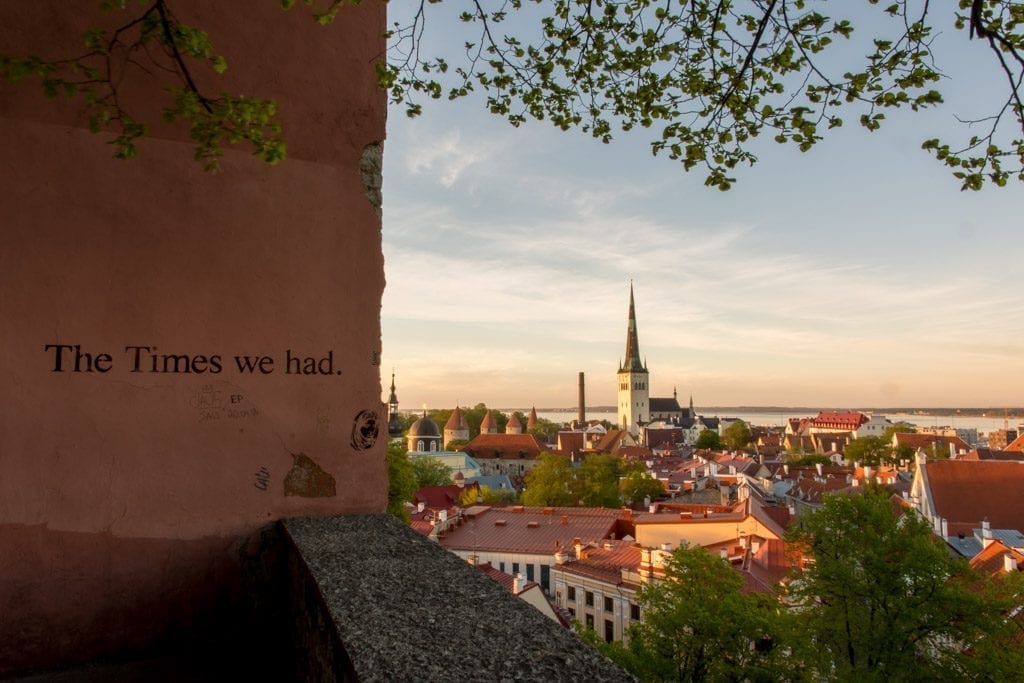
x,y
529,530
827,420
1016,445
571,441
510,446
506,580
915,440
992,454
970,490
990,560
605,561
440,497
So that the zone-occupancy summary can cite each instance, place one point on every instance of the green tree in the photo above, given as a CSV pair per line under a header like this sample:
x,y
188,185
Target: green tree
x,y
486,495
545,430
736,436
709,439
868,450
884,599
401,481
709,78
807,459
550,482
698,625
430,472
598,481
897,429
638,485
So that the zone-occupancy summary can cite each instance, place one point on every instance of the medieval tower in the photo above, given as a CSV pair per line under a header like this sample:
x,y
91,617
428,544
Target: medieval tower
x,y
634,401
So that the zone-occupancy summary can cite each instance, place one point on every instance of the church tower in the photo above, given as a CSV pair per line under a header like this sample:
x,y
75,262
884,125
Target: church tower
x,y
634,399
395,426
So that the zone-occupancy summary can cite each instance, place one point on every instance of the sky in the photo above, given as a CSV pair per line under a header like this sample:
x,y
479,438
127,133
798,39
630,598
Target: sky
x,y
855,275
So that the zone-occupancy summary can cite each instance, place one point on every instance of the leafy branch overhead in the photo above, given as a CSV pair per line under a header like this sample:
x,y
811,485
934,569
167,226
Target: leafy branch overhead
x,y
708,76
704,77
154,41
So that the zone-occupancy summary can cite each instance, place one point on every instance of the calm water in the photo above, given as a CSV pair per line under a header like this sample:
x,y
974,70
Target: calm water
x,y
984,425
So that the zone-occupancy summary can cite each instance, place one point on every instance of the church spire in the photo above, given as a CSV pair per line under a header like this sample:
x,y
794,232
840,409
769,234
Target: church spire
x,y
632,362
393,398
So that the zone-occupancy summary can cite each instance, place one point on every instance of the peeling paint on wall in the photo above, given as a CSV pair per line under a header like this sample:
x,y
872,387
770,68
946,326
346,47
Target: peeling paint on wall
x,y
371,165
307,479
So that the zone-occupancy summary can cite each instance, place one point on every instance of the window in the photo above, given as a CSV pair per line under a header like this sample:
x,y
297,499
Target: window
x,y
609,631
609,605
529,572
545,577
501,566
634,612
572,612
590,599
570,593
515,568
590,621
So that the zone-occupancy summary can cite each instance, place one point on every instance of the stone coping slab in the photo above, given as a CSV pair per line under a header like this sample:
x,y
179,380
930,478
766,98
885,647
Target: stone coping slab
x,y
405,609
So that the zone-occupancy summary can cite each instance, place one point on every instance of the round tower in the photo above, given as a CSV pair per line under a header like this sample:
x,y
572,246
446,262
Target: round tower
x,y
456,429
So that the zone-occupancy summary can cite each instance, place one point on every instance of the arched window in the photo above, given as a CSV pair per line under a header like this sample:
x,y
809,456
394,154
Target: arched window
x,y
419,445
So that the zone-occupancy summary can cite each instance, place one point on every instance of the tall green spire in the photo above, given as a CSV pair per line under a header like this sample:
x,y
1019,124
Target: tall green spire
x,y
632,362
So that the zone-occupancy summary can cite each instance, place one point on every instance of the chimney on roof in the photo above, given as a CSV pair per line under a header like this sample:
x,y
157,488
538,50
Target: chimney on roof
x,y
1009,563
421,506
785,469
517,584
945,528
986,533
627,514
472,559
818,466
577,546
582,414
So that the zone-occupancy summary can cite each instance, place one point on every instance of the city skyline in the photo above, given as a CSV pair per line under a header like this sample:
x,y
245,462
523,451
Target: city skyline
x,y
857,274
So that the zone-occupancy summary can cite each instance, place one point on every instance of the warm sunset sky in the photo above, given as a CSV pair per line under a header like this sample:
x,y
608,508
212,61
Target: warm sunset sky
x,y
854,275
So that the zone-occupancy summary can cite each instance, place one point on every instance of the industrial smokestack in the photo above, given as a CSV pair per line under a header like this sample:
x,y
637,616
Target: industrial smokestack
x,y
582,416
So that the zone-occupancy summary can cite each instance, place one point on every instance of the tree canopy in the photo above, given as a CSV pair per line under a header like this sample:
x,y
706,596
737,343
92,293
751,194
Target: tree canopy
x,y
430,472
736,436
708,438
401,481
884,599
698,625
706,78
554,481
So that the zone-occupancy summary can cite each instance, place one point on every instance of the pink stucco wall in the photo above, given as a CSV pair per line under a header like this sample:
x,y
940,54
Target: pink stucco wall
x,y
125,495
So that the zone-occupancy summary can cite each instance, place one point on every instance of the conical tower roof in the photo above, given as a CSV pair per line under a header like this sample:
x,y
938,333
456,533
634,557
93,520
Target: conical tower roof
x,y
457,420
531,421
488,425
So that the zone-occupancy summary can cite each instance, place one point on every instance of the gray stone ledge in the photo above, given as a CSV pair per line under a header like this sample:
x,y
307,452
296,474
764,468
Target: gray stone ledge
x,y
404,609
